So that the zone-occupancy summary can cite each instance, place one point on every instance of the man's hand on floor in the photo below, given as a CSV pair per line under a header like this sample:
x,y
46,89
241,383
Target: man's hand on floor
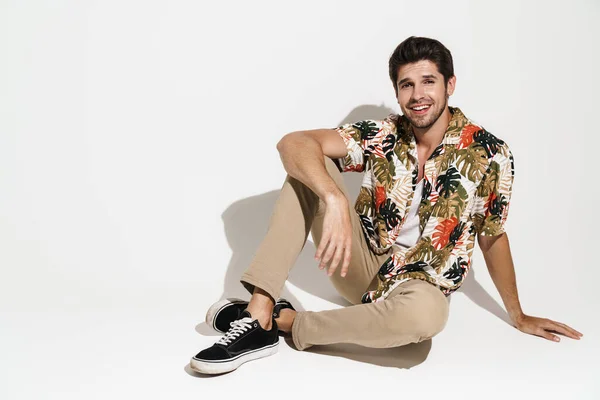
x,y
543,327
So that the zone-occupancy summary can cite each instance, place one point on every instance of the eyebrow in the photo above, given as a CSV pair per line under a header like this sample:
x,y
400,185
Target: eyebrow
x,y
424,77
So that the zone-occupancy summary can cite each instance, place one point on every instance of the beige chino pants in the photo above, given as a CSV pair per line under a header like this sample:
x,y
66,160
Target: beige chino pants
x,y
414,311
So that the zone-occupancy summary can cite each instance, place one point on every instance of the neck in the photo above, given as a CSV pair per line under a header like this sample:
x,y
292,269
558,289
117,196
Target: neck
x,y
431,137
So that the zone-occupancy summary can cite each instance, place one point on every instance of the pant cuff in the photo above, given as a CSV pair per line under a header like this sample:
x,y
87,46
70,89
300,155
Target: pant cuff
x,y
296,335
250,282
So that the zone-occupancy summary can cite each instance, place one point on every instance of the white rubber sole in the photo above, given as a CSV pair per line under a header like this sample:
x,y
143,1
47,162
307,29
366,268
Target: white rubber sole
x,y
220,367
215,308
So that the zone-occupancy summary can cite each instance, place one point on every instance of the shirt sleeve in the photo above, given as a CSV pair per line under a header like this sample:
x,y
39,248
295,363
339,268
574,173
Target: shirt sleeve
x,y
492,197
357,136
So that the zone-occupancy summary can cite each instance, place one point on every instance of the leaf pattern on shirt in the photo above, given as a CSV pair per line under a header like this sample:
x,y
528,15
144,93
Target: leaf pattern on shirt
x,y
448,182
472,162
367,129
466,192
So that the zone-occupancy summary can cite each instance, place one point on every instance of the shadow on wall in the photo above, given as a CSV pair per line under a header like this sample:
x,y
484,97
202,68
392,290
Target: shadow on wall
x,y
246,222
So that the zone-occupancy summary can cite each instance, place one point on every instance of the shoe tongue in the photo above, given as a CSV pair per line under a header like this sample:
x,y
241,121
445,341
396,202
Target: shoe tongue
x,y
245,314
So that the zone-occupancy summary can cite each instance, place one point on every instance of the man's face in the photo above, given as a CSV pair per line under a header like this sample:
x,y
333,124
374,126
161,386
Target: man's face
x,y
422,95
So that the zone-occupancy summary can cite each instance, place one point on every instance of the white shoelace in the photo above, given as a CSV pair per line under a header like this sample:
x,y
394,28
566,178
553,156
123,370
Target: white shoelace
x,y
237,328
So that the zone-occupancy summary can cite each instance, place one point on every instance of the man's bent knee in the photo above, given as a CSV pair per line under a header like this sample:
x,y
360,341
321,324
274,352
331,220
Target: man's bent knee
x,y
433,310
428,315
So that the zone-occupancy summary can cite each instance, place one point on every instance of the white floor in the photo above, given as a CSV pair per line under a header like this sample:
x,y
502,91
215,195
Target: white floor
x,y
136,344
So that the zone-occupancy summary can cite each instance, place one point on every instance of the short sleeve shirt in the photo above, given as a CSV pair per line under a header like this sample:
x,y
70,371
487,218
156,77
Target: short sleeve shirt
x,y
467,187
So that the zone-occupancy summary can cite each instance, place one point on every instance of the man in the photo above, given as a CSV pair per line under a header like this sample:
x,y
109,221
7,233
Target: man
x,y
433,181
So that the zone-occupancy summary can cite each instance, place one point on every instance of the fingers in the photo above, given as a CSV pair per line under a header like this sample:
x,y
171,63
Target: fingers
x,y
335,244
563,329
569,328
328,253
339,252
347,253
327,242
545,334
557,327
336,259
322,245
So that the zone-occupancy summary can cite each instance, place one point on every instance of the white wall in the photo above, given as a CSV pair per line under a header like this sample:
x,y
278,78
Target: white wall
x,y
137,138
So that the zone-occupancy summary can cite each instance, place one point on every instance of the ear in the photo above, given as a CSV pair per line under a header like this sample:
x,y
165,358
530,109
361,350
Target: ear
x,y
451,85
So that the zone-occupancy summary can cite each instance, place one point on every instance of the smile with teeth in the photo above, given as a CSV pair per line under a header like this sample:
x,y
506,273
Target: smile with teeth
x,y
420,108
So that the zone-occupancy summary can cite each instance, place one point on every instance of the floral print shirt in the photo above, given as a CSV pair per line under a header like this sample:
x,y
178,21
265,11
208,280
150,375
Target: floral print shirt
x,y
466,191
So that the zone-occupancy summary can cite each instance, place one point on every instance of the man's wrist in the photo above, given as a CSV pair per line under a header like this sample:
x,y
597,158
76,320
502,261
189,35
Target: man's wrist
x,y
334,196
516,316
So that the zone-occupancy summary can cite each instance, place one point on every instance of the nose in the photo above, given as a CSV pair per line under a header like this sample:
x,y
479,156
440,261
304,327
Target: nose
x,y
418,92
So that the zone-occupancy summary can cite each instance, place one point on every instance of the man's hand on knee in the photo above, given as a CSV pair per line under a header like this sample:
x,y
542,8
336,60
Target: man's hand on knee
x,y
336,241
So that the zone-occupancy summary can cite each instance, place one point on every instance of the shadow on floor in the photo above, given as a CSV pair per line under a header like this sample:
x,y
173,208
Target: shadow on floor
x,y
406,357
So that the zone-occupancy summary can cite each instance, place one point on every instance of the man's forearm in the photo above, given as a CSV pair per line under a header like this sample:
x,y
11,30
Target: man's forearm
x,y
496,252
303,159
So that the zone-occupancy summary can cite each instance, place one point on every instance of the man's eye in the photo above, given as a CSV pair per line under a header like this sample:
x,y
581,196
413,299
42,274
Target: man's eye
x,y
405,85
429,81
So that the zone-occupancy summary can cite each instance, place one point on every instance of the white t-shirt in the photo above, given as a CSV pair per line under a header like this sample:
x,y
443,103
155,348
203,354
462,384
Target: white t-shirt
x,y
410,232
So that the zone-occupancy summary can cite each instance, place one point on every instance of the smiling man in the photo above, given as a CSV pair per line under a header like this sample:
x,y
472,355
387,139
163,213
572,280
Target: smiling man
x,y
434,181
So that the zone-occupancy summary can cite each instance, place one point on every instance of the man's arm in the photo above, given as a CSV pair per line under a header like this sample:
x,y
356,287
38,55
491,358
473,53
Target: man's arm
x,y
303,156
496,252
498,259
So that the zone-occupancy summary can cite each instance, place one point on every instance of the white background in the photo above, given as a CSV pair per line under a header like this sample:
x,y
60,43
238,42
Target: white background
x,y
138,169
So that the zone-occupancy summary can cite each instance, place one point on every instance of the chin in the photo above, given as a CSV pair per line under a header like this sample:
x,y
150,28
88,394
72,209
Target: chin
x,y
421,123
429,120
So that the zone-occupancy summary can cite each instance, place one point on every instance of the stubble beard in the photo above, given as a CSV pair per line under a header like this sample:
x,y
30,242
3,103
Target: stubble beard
x,y
426,123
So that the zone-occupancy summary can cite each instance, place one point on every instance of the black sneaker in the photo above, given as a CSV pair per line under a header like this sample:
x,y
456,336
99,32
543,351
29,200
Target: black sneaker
x,y
280,305
221,314
245,340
